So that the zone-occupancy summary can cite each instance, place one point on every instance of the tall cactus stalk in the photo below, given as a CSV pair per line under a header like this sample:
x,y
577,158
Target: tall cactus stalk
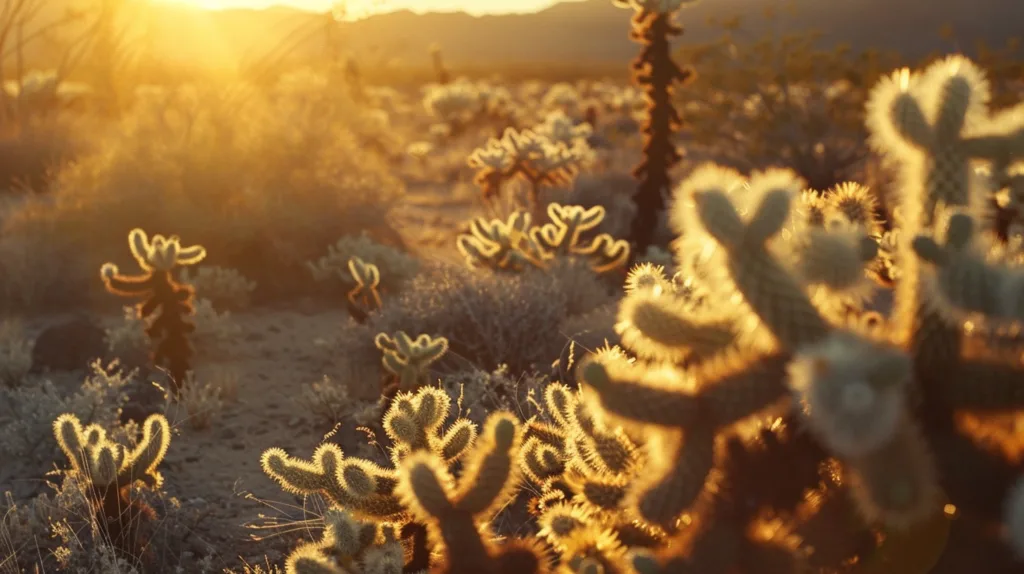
x,y
653,26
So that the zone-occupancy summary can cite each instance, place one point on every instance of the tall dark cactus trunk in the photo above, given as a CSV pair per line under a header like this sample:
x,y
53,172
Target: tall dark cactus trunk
x,y
656,72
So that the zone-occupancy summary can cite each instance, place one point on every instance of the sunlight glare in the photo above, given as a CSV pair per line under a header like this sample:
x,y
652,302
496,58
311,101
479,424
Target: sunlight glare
x,y
356,9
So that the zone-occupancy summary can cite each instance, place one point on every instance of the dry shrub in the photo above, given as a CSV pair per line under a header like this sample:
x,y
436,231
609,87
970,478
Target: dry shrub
x,y
265,184
490,319
30,153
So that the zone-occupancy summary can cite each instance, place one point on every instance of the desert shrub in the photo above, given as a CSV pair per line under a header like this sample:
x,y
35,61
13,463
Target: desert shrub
x,y
31,150
294,179
226,288
395,266
489,319
15,353
27,414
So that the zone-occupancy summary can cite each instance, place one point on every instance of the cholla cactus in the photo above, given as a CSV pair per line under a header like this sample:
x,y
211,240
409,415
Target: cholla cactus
x,y
170,300
529,155
654,70
867,418
563,237
499,245
110,471
453,514
364,298
349,546
514,244
583,469
409,359
359,490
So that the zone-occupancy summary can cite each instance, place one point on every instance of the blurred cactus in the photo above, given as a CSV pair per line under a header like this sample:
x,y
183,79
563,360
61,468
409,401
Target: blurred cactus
x,y
440,70
169,330
364,298
821,395
533,156
653,27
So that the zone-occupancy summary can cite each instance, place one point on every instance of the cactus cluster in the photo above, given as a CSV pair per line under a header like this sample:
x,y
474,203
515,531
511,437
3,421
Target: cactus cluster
x,y
863,423
418,490
515,244
548,155
582,469
167,304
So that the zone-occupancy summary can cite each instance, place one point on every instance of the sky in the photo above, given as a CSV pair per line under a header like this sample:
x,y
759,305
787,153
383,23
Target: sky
x,y
365,7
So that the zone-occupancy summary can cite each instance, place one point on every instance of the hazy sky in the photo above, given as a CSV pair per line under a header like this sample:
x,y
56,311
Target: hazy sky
x,y
367,6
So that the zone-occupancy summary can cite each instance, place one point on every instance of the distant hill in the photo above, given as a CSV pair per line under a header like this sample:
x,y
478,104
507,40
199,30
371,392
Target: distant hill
x,y
591,31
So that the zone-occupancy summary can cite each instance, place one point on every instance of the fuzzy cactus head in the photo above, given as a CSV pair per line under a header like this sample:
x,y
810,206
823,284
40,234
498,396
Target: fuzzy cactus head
x,y
409,359
161,253
104,463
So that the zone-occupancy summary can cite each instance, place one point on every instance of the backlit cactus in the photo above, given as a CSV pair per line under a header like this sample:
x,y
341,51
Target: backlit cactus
x,y
108,472
454,511
882,406
167,304
514,244
349,546
653,27
366,517
408,359
532,156
364,297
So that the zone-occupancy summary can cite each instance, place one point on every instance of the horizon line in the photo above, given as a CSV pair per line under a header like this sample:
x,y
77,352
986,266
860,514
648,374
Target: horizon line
x,y
271,5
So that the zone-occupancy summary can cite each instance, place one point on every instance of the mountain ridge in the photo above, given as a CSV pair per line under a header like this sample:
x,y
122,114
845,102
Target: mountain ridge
x,y
584,32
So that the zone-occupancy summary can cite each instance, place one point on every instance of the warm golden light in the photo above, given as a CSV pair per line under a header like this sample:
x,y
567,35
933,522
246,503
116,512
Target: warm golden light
x,y
362,8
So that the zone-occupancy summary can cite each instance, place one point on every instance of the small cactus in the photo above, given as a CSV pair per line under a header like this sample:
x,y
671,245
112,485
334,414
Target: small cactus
x,y
169,300
409,359
109,471
364,298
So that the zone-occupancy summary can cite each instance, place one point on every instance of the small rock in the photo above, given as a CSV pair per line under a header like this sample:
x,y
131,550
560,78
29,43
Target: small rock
x,y
228,434
69,346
